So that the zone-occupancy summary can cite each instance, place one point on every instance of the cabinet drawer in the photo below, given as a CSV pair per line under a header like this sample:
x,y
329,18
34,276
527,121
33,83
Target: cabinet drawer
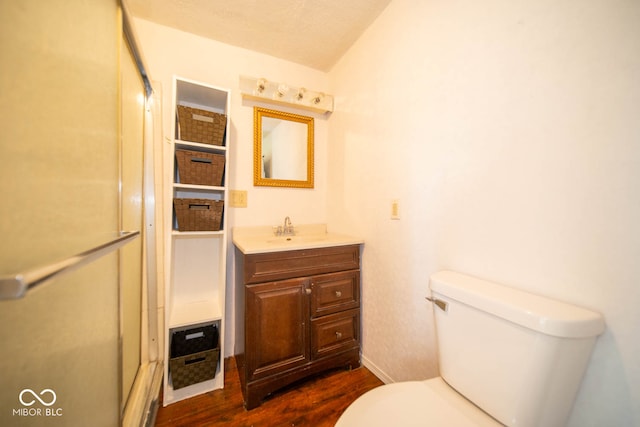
x,y
335,333
335,292
272,266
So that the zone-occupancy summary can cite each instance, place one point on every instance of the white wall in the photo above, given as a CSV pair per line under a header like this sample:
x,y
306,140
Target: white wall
x,y
510,133
169,52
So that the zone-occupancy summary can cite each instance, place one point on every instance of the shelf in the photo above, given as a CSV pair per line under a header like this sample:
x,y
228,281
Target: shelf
x,y
201,94
196,270
197,146
185,314
196,187
176,233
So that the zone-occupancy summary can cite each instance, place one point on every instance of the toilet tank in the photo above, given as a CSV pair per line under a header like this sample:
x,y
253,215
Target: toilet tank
x,y
518,356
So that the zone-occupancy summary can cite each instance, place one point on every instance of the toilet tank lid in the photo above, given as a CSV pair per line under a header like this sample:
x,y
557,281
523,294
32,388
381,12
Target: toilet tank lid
x,y
535,312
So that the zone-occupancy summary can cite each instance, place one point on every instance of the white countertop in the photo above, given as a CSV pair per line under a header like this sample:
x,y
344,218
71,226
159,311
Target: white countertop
x,y
254,240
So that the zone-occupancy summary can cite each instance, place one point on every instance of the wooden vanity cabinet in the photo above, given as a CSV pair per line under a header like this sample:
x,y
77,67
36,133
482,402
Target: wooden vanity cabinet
x,y
298,314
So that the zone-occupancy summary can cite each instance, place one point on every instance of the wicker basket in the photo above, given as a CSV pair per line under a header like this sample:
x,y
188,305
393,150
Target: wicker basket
x,y
198,214
193,368
202,126
194,340
195,167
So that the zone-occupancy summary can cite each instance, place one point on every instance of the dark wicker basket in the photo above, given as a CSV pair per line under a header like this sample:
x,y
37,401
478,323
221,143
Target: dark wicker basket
x,y
198,214
193,368
201,126
194,340
195,167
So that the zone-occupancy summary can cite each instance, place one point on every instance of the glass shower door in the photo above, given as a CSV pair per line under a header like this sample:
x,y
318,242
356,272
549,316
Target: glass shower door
x,y
62,346
132,96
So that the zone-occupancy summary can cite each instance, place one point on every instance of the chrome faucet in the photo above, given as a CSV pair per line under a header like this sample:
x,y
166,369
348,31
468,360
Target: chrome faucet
x,y
285,230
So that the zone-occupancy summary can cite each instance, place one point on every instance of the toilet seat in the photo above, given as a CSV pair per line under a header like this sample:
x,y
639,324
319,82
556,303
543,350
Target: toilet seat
x,y
430,403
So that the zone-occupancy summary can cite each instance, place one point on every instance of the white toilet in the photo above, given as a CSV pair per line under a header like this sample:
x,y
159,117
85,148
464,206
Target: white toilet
x,y
506,357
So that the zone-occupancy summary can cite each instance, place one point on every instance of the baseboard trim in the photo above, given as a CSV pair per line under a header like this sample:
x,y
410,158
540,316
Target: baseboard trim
x,y
375,370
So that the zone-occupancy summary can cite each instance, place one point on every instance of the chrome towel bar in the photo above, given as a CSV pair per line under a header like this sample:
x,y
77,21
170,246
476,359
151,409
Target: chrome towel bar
x,y
16,286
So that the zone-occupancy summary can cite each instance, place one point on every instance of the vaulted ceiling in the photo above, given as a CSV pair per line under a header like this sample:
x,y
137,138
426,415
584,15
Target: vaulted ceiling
x,y
315,33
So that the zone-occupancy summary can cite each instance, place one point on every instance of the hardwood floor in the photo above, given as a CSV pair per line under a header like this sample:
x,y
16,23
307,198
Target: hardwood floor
x,y
316,402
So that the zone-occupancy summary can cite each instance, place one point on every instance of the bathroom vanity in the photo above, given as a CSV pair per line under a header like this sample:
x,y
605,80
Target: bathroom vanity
x,y
297,308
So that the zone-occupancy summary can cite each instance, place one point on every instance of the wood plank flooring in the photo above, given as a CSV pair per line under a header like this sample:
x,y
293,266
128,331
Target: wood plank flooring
x,y
315,402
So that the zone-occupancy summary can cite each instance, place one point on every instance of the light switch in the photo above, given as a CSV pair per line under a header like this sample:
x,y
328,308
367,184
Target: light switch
x,y
395,209
238,198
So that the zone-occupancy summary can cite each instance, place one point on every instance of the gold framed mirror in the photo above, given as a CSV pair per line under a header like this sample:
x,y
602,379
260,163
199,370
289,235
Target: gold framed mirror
x,y
282,149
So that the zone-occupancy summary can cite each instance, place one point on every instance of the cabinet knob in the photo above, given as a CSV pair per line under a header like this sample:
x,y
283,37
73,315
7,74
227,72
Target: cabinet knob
x,y
338,294
338,335
307,291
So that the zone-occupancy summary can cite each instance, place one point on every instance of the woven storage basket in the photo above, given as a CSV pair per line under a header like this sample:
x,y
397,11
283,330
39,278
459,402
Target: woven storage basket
x,y
202,126
194,340
198,214
193,368
195,167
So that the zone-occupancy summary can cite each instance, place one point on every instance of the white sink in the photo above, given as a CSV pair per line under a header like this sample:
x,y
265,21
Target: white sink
x,y
253,240
298,239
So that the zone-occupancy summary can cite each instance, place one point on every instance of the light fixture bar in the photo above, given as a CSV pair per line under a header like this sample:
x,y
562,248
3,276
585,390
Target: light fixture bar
x,y
260,89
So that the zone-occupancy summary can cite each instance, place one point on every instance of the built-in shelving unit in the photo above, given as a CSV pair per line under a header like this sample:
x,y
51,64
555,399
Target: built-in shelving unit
x,y
195,294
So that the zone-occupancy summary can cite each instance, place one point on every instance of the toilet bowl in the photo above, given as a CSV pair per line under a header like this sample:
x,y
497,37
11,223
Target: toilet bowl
x,y
412,404
506,357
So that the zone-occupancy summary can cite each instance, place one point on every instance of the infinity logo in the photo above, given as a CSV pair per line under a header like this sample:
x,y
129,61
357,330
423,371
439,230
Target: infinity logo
x,y
36,397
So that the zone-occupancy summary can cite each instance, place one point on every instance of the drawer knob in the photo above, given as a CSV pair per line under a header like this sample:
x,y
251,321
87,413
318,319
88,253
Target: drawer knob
x,y
338,335
307,291
338,294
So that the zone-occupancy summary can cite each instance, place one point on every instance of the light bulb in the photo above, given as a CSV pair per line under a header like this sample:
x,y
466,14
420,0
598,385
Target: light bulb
x,y
282,90
318,98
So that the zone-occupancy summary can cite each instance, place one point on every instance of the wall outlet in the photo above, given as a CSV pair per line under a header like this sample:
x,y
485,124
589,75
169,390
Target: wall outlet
x,y
238,198
395,209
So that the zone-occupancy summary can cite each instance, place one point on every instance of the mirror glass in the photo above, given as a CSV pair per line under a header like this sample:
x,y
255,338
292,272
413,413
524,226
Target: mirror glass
x,y
283,149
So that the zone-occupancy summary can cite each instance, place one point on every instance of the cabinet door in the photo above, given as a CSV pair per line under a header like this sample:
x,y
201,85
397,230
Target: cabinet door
x,y
276,328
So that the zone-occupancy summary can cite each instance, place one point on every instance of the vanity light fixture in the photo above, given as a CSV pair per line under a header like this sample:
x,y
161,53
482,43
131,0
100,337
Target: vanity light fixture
x,y
260,89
